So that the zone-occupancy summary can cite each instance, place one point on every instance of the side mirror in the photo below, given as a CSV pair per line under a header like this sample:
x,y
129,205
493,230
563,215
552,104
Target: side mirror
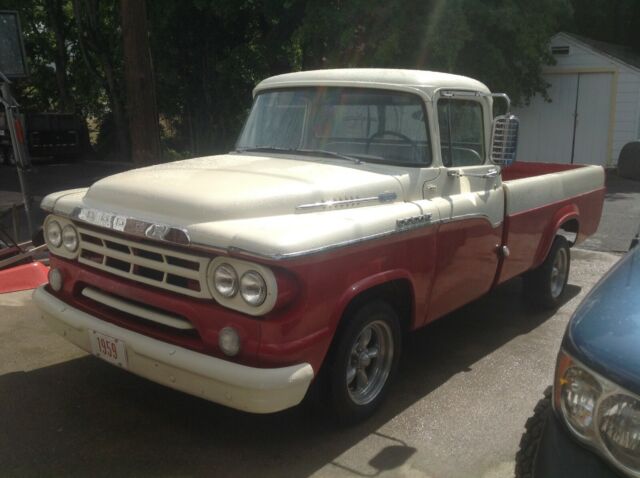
x,y
504,139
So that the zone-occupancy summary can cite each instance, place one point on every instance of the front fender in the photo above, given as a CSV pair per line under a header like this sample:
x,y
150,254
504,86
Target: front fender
x,y
368,283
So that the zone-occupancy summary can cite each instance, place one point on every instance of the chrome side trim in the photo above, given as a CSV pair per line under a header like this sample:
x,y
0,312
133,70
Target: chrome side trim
x,y
139,228
383,198
130,225
351,242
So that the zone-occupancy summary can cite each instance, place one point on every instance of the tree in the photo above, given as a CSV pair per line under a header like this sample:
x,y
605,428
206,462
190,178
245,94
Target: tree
x,y
97,42
141,99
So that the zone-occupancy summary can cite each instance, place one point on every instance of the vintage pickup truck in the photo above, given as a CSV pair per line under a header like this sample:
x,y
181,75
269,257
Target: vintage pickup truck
x,y
359,204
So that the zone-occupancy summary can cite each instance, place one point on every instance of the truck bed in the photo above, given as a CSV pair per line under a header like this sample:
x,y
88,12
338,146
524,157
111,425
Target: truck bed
x,y
541,199
521,170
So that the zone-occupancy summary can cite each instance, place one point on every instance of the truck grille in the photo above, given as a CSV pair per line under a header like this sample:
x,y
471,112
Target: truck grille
x,y
167,269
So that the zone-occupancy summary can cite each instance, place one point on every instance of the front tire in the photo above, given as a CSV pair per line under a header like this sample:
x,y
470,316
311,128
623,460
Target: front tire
x,y
364,361
544,286
530,441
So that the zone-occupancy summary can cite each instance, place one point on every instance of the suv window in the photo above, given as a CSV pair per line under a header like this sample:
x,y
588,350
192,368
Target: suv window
x,y
461,132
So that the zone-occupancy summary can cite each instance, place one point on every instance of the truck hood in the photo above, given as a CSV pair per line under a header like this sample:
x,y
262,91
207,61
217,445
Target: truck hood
x,y
234,186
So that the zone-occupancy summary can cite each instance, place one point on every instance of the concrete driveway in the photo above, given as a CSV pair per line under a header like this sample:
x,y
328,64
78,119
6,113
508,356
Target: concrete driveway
x,y
465,389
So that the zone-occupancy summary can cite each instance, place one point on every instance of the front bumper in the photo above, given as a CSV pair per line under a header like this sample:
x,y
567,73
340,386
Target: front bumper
x,y
560,455
234,385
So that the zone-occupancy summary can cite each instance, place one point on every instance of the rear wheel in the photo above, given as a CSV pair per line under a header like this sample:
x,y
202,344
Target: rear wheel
x,y
545,285
364,361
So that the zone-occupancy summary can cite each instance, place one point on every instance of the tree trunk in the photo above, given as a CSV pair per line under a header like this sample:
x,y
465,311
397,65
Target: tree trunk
x,y
144,129
56,20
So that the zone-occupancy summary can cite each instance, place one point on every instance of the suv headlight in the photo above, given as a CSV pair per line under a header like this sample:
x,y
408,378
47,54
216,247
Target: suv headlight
x,y
619,427
579,394
599,412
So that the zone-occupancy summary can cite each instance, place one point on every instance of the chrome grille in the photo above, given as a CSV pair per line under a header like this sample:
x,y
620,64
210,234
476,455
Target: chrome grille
x,y
167,269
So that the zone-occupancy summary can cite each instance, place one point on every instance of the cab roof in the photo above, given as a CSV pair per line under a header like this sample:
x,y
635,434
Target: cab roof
x,y
427,81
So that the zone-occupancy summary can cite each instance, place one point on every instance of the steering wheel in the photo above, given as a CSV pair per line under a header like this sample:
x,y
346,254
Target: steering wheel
x,y
377,134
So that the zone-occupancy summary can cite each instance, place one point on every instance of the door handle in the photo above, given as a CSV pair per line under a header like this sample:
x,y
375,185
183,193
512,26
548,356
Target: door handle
x,y
456,173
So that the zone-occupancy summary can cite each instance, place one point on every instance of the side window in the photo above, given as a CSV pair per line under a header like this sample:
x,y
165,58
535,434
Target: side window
x,y
461,132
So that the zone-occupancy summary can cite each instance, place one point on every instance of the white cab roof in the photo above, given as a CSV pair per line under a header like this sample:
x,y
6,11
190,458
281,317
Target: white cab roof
x,y
427,81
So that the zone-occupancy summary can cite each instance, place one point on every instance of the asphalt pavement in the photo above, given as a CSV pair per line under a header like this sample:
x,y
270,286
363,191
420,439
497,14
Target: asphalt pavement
x,y
465,388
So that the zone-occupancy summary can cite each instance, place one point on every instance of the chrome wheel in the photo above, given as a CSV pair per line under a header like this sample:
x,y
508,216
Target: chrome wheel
x,y
369,362
559,272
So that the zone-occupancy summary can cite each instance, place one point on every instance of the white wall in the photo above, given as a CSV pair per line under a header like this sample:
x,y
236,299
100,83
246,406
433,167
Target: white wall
x,y
627,99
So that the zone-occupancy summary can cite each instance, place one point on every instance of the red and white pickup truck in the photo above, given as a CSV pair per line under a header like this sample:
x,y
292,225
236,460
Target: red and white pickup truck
x,y
359,205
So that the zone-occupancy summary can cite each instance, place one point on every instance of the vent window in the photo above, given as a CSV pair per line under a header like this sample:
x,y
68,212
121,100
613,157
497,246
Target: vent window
x,y
560,50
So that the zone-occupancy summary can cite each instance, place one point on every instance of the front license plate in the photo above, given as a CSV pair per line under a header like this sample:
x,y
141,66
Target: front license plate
x,y
108,348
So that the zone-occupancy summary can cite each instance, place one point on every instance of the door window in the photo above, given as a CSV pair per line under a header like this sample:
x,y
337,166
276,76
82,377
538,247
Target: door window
x,y
461,132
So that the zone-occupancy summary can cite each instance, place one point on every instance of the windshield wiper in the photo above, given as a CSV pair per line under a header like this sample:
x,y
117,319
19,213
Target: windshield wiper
x,y
333,154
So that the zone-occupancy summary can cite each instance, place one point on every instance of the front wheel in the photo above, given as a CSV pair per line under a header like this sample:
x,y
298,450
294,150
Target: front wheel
x,y
364,361
530,441
545,285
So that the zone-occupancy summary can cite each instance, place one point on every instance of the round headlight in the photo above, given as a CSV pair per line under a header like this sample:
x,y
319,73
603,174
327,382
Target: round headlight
x,y
253,288
70,238
229,341
225,280
619,425
53,233
578,398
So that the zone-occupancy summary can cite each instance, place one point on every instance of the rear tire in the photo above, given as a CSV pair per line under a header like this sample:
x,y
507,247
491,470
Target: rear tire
x,y
364,361
544,286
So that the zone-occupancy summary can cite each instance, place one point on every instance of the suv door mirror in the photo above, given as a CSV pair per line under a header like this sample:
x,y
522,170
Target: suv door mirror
x,y
504,139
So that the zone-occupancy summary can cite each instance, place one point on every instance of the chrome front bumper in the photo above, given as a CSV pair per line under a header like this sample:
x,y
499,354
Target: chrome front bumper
x,y
257,390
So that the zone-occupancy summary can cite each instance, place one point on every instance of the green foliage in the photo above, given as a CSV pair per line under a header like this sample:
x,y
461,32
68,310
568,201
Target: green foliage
x,y
209,54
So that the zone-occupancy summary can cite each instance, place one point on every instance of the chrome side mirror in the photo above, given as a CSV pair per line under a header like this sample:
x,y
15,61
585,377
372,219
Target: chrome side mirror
x,y
504,139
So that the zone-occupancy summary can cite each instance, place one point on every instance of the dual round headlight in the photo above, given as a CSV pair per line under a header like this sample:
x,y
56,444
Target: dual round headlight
x,y
53,233
252,286
608,420
57,236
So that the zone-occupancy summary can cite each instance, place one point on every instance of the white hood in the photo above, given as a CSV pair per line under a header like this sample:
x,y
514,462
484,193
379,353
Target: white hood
x,y
220,188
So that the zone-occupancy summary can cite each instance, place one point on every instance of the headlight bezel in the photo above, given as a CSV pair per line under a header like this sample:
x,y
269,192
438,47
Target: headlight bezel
x,y
594,438
61,249
237,301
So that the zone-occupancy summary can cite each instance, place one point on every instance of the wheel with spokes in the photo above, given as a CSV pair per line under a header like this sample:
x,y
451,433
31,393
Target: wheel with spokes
x,y
364,361
545,285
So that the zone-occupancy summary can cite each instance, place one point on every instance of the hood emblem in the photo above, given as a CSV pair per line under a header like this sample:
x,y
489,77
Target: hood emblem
x,y
157,231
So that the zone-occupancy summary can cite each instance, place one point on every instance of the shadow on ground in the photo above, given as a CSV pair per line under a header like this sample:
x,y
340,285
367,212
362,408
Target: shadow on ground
x,y
87,418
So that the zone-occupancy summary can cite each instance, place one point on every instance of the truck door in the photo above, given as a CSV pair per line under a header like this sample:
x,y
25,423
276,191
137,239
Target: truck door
x,y
470,200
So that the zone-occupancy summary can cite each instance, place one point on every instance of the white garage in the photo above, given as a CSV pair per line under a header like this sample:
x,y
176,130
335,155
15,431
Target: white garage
x,y
594,109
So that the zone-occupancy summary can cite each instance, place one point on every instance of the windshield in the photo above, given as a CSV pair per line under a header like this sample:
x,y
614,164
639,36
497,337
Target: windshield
x,y
370,125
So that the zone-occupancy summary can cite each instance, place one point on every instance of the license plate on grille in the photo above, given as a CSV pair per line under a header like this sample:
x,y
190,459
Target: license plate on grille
x,y
108,348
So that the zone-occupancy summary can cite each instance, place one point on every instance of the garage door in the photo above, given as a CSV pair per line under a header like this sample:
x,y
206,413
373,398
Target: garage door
x,y
574,126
